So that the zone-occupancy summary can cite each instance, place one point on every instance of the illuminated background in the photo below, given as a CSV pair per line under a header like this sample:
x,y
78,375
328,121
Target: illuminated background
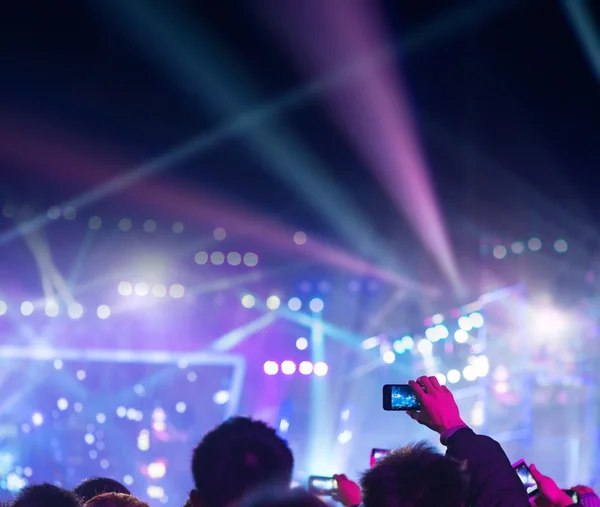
x,y
276,209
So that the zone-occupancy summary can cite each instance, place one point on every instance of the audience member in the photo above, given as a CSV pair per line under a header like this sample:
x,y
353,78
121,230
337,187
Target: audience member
x,y
281,498
115,500
46,495
95,486
237,458
549,494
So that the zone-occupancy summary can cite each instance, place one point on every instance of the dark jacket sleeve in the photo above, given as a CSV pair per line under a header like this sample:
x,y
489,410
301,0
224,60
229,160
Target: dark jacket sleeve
x,y
493,483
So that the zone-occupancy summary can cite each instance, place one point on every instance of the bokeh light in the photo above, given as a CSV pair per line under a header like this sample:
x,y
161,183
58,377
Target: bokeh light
x,y
535,244
142,289
125,289
234,258
301,343
518,247
477,320
103,312
388,356
273,302
75,310
250,259
201,258
248,301
499,252
424,346
300,238
288,367
27,308
320,369
561,246
271,368
294,304
453,376
217,258
305,368
177,291
316,305
461,336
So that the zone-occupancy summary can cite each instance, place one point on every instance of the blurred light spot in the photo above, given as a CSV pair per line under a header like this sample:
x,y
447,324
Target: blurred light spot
x,y
424,346
271,368
453,376
177,227
273,302
370,343
62,404
125,289
300,238
27,472
344,437
294,304
250,259
3,307
201,258
316,305
477,414
27,308
70,213
389,357
305,368
75,310
221,397
502,387
500,374
149,226
101,418
139,389
465,323
219,234
469,373
125,224
288,367
441,378
159,290
181,407
437,318
157,470
217,258
320,369
103,312
535,244
121,412
301,343
191,376
89,438
481,365
407,342
53,212
37,419
95,223
500,251
93,454
248,301
58,364
104,464
234,258
518,247
398,346
284,425
78,407
477,320
80,374
177,291
52,309
155,492
461,336
128,480
561,246
142,289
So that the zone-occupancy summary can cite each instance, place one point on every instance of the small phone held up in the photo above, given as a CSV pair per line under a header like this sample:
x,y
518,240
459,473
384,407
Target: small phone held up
x,y
526,478
377,454
321,486
400,397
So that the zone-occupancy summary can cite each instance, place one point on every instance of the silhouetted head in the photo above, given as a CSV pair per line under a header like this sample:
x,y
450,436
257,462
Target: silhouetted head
x,y
95,486
46,495
237,458
115,500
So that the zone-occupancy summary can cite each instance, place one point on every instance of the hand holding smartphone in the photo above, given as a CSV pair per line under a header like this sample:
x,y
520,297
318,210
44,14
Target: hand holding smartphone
x,y
526,478
400,397
321,486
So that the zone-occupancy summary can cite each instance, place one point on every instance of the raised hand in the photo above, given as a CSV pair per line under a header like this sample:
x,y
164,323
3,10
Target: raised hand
x,y
348,492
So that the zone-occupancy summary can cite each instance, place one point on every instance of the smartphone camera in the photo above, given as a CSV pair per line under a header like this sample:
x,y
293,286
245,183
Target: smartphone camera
x,y
321,486
400,397
377,455
526,478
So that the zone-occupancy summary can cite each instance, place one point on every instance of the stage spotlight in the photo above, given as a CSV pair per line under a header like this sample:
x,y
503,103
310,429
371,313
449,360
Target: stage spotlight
x,y
316,305
424,346
273,302
477,320
217,258
221,397
481,365
305,368
3,307
284,425
518,247
271,368
453,376
441,378
180,407
248,301
142,289
300,238
438,318
301,343
157,470
52,309
320,369
470,373
103,312
294,304
465,323
159,290
535,244
219,234
499,252
37,419
370,343
234,259
288,367
177,291
201,258
27,308
431,334
408,342
75,310
461,336
344,437
62,404
398,346
441,331
389,357
549,322
125,289
149,226
250,259
561,246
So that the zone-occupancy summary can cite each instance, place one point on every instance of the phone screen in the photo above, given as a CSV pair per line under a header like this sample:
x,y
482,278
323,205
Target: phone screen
x,y
400,397
572,495
526,478
377,454
321,486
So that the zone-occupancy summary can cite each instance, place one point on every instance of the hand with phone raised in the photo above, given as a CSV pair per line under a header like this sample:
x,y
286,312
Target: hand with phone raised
x,y
439,410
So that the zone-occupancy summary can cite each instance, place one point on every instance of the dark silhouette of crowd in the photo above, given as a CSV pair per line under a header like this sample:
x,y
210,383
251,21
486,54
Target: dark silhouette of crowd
x,y
244,463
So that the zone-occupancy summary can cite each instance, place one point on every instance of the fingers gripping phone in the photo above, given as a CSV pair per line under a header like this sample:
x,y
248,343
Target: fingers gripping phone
x,y
400,397
526,478
322,486
377,454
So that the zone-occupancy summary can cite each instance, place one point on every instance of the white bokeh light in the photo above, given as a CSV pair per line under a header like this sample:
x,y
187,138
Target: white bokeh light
x,y
424,346
221,397
250,259
470,373
201,258
500,252
294,304
389,357
177,291
75,310
219,234
300,238
305,368
320,369
288,367
27,308
453,376
3,307
125,289
461,336
273,302
248,301
103,312
52,308
316,305
142,289
301,343
159,290
217,258
234,258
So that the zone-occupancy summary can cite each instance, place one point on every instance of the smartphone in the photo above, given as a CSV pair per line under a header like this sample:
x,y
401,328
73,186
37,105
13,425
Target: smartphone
x,y
572,495
526,478
377,454
400,397
321,486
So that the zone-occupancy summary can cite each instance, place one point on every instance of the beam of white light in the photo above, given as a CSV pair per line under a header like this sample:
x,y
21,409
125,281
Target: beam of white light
x,y
375,114
579,14
234,337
